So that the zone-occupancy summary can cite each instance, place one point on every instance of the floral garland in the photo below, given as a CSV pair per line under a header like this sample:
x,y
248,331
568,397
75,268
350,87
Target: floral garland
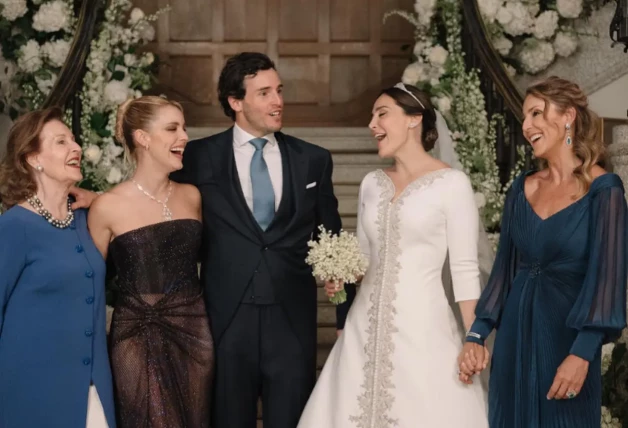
x,y
440,71
36,36
531,34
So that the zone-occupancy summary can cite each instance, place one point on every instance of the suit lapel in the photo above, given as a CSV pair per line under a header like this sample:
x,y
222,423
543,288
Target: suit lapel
x,y
295,170
229,183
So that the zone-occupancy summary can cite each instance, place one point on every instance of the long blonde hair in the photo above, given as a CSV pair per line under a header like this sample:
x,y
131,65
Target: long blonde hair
x,y
586,136
136,114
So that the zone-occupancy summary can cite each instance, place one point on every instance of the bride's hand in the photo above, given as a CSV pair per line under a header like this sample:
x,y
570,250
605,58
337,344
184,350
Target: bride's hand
x,y
332,287
472,360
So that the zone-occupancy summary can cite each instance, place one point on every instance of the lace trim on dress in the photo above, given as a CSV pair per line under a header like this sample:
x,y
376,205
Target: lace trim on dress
x,y
377,398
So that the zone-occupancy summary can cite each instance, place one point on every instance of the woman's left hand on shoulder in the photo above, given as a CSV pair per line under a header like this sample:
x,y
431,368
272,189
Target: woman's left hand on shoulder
x,y
569,378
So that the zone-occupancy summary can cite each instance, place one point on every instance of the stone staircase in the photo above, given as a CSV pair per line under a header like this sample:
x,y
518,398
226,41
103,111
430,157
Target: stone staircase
x,y
355,154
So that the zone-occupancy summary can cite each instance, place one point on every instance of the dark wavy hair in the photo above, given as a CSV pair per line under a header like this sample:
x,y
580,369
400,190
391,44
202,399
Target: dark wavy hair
x,y
411,107
16,176
236,69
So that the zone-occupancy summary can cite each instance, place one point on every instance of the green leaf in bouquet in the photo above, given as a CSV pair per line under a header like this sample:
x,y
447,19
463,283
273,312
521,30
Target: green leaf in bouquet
x,y
103,132
111,65
339,298
43,74
98,120
118,75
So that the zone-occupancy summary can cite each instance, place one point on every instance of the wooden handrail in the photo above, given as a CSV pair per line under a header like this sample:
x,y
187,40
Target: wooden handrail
x,y
74,67
492,63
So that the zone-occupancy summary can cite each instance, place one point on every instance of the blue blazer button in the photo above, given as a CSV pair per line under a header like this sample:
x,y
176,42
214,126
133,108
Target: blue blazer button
x,y
89,300
86,361
79,248
89,274
88,333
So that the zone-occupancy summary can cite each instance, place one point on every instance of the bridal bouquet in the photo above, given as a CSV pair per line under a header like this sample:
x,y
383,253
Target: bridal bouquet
x,y
336,258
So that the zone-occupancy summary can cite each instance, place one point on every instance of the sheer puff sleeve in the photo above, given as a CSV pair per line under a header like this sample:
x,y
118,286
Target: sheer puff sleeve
x,y
599,313
12,259
493,298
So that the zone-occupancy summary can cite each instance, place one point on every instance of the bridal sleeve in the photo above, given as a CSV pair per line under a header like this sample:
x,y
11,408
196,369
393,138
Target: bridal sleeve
x,y
489,308
12,261
599,313
463,233
343,309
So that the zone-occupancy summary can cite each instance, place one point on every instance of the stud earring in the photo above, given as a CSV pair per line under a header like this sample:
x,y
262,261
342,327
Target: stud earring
x,y
412,125
568,129
39,168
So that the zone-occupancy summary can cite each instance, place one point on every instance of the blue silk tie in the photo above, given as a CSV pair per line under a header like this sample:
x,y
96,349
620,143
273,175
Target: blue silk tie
x,y
263,193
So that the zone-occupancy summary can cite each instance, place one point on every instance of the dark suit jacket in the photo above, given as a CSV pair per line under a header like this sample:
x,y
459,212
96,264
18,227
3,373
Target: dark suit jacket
x,y
233,243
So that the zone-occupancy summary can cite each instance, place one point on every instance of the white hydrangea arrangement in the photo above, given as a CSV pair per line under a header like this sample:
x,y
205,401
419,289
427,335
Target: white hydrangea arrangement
x,y
439,69
336,258
531,34
614,358
36,37
608,421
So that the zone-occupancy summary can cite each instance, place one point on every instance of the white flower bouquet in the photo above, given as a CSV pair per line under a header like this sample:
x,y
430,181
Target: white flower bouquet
x,y
336,258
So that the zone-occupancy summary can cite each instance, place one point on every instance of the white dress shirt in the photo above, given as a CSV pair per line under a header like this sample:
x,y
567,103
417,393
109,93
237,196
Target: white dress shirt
x,y
243,151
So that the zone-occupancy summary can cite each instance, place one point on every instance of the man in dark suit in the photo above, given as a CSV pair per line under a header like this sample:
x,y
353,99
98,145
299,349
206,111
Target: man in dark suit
x,y
264,195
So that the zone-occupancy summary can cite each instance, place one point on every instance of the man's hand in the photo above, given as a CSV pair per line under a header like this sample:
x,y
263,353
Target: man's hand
x,y
332,287
84,198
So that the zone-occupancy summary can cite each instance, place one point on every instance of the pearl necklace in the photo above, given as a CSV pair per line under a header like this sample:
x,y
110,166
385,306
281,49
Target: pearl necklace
x,y
165,212
35,202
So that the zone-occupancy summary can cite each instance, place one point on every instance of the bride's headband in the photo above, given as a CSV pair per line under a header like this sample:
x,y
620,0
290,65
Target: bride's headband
x,y
401,86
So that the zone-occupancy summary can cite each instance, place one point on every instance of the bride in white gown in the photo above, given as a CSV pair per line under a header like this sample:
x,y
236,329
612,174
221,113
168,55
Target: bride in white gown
x,y
395,364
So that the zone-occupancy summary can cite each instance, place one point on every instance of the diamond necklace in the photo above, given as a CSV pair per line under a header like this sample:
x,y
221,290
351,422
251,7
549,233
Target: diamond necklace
x,y
165,212
35,202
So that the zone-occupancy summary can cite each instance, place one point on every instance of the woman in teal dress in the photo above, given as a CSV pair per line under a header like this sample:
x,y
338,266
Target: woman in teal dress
x,y
557,291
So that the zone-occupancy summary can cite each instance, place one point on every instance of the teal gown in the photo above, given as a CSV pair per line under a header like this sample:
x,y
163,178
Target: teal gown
x,y
558,287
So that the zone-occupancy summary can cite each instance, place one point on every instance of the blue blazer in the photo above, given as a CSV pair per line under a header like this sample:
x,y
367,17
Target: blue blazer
x,y
52,323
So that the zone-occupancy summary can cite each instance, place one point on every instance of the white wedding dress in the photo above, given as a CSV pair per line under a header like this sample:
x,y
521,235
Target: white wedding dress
x,y
395,364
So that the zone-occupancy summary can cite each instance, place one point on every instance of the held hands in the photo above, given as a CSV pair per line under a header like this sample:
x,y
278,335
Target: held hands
x,y
83,198
472,360
569,378
332,287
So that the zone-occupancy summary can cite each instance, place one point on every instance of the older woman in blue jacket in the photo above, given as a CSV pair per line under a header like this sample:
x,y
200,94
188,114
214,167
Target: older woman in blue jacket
x,y
54,368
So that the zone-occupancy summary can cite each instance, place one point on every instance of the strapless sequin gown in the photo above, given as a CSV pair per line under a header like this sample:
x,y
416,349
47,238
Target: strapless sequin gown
x,y
162,352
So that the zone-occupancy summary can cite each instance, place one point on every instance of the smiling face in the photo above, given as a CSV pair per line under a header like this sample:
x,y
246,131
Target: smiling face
x,y
166,138
260,111
59,155
391,126
544,126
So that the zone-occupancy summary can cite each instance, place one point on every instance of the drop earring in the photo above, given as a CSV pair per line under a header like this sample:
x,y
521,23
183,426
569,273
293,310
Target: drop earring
x,y
568,128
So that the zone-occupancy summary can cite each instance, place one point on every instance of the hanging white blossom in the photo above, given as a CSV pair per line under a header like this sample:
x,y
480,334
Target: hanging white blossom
x,y
569,8
52,16
29,57
12,9
565,44
56,52
536,55
545,24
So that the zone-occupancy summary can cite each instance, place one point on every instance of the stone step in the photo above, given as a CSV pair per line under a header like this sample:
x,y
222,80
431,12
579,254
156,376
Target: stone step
x,y
326,334
326,314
